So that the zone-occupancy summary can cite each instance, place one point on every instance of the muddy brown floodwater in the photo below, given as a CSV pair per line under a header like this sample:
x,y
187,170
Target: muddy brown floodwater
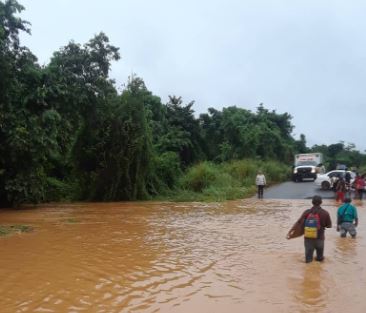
x,y
177,257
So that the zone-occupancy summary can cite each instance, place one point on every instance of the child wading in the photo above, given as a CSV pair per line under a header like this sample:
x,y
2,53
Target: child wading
x,y
312,224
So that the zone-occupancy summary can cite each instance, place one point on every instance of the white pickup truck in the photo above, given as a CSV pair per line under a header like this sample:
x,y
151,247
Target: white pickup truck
x,y
307,166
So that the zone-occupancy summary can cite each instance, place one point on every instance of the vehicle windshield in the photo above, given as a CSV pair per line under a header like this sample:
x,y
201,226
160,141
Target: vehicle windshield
x,y
301,163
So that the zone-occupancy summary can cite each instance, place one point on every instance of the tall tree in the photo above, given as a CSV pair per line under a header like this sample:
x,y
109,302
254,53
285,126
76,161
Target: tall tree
x,y
27,126
183,135
118,150
300,145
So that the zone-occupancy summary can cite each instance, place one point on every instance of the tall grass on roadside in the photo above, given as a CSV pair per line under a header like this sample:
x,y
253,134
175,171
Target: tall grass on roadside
x,y
208,181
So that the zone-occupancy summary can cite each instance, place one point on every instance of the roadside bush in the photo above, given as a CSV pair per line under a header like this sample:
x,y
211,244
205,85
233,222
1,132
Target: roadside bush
x,y
200,177
275,171
241,170
167,168
226,181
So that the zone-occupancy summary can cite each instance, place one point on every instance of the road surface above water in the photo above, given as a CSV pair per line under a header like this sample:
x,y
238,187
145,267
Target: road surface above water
x,y
301,190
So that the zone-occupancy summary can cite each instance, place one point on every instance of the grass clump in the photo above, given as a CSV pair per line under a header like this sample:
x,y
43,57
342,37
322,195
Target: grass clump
x,y
6,230
71,221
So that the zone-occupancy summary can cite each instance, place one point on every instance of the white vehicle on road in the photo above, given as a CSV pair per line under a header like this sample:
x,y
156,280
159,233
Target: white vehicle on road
x,y
325,181
307,165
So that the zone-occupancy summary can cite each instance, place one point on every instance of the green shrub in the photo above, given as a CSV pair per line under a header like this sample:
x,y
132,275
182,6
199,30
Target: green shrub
x,y
58,190
199,177
242,169
167,169
229,180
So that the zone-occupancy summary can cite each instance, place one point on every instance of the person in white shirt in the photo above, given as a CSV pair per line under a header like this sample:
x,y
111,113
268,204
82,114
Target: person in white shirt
x,y
260,181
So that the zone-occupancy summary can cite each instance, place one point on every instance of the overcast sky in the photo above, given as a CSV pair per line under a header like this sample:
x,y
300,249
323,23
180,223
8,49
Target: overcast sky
x,y
307,58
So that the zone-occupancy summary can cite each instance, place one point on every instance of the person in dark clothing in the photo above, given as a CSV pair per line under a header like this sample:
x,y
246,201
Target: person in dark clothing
x,y
313,234
341,189
347,177
347,180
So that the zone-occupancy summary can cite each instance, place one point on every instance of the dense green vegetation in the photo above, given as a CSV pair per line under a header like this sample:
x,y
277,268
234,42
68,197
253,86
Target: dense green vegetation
x,y
341,153
208,181
67,133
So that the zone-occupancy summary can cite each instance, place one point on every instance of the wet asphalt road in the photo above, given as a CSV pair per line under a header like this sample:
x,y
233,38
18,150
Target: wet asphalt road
x,y
291,190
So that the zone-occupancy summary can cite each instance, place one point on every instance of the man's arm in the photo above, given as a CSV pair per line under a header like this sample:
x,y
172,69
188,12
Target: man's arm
x,y
298,228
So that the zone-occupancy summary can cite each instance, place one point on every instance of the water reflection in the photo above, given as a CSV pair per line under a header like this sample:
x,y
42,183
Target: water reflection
x,y
311,291
345,249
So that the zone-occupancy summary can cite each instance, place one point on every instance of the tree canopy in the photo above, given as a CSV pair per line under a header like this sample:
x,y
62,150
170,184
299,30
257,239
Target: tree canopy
x,y
67,133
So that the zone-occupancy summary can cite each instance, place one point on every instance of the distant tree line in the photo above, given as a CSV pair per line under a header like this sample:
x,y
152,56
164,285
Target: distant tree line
x,y
342,153
67,133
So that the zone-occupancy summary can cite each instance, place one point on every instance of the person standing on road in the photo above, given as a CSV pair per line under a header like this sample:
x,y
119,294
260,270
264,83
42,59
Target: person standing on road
x,y
347,218
359,186
260,181
347,180
340,189
312,224
347,177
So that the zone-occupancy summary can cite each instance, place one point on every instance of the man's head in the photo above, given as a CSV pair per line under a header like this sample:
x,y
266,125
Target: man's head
x,y
317,200
347,200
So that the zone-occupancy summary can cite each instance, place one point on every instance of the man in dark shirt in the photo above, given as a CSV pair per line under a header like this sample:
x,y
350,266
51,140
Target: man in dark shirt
x,y
347,177
317,243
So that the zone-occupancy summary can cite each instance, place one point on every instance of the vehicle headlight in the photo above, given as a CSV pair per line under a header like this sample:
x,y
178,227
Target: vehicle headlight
x,y
295,171
313,170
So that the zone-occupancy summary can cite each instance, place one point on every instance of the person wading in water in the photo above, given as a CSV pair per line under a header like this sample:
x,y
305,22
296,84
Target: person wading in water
x,y
312,224
347,218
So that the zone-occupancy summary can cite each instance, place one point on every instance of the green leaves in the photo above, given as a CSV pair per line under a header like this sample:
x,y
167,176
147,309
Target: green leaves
x,y
10,25
236,133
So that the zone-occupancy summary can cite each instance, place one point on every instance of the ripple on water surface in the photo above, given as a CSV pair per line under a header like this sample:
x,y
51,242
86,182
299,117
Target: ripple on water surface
x,y
169,257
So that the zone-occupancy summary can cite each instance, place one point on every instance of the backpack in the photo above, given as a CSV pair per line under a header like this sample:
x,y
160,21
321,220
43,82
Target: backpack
x,y
312,225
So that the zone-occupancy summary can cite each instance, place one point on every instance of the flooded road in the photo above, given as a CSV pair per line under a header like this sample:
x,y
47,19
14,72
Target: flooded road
x,y
177,257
